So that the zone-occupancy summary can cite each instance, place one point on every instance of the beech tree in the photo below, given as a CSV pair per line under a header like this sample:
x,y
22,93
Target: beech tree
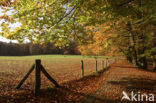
x,y
135,16
61,21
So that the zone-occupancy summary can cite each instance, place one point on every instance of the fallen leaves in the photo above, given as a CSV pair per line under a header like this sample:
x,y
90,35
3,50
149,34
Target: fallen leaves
x,y
71,91
109,83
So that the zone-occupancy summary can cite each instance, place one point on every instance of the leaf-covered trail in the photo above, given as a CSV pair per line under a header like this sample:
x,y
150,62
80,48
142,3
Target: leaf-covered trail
x,y
123,77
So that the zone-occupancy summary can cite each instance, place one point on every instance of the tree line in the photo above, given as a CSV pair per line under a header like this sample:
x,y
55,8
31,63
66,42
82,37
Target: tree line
x,y
14,49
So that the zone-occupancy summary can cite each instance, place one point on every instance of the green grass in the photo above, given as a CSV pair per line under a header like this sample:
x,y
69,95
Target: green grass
x,y
49,56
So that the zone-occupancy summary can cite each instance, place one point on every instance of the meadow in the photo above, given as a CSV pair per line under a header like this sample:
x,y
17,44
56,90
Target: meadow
x,y
62,68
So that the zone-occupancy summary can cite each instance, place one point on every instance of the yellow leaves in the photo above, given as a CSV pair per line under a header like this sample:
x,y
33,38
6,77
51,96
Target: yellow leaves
x,y
106,45
6,35
60,39
11,34
42,31
100,39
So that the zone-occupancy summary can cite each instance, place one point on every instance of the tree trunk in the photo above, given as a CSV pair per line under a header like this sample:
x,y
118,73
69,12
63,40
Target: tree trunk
x,y
132,43
141,41
153,45
154,63
141,51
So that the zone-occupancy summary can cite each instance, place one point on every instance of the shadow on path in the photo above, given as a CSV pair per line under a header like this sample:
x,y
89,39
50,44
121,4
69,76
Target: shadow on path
x,y
136,84
124,77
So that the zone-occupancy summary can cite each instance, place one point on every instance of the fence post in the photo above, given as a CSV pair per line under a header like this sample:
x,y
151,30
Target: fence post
x,y
106,62
82,68
25,77
37,77
38,68
96,65
102,64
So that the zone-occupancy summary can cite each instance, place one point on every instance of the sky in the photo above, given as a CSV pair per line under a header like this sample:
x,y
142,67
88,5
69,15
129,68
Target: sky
x,y
13,26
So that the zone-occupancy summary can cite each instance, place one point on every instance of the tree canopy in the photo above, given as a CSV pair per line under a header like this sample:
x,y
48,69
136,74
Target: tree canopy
x,y
127,26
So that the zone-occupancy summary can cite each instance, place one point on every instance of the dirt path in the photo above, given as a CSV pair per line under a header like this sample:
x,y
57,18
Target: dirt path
x,y
123,77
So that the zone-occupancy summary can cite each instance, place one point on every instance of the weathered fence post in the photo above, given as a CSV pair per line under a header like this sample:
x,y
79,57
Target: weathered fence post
x,y
25,77
48,76
106,62
102,63
38,68
37,77
96,65
82,68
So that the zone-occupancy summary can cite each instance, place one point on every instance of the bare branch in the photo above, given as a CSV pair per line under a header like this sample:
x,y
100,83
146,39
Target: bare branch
x,y
63,17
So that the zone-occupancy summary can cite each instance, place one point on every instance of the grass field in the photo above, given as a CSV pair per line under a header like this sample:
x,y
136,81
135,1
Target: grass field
x,y
62,68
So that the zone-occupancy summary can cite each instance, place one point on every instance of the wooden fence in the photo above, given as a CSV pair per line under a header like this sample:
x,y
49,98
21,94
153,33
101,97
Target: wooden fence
x,y
39,68
105,65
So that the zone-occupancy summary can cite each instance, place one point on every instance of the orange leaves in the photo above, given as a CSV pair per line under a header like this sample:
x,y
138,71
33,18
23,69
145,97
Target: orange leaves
x,y
7,3
100,39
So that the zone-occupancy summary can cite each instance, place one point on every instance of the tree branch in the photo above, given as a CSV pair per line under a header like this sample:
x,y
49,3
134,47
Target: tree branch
x,y
62,17
125,3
